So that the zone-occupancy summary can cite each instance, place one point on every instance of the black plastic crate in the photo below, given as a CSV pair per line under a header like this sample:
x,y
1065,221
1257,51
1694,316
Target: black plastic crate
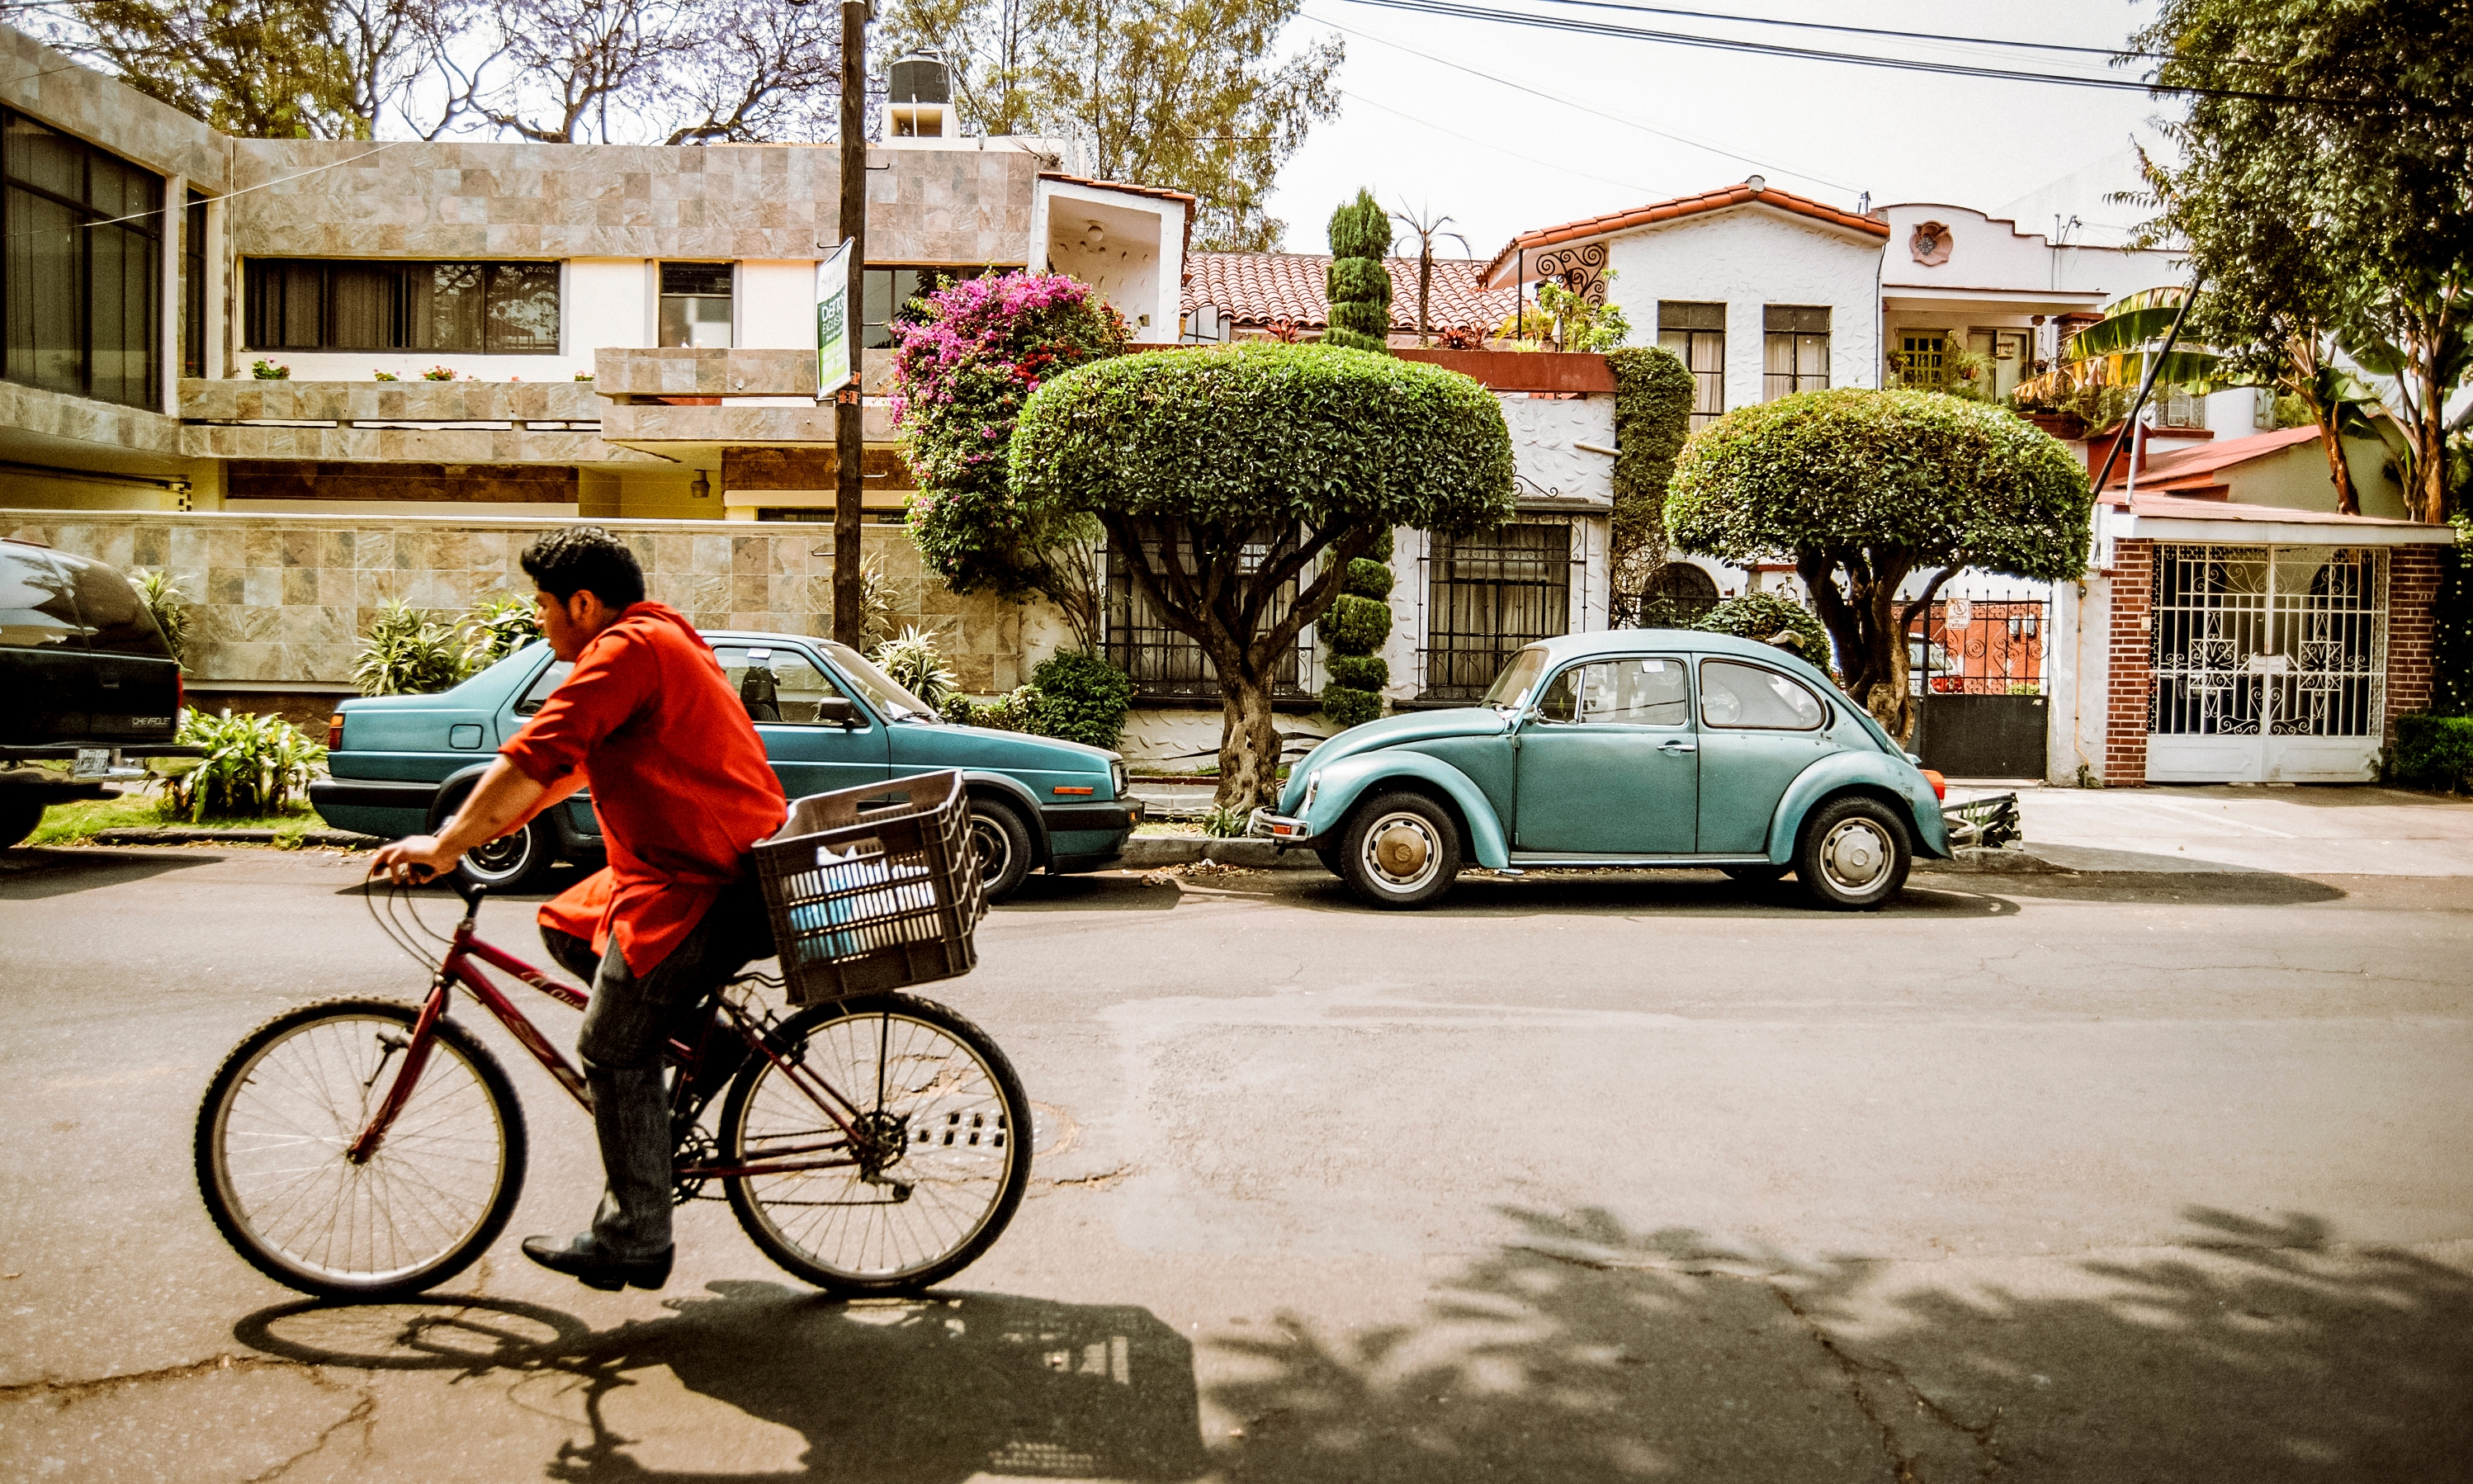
x,y
874,888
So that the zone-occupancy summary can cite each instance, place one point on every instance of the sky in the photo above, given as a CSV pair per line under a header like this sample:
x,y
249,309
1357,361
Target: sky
x,y
1434,138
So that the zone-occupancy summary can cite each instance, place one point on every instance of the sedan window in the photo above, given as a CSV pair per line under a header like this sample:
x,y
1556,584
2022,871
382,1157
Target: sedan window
x,y
776,684
538,693
1742,695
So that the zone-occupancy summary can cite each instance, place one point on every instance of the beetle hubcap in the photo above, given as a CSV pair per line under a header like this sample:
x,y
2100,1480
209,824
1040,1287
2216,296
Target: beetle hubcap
x,y
1855,855
1399,852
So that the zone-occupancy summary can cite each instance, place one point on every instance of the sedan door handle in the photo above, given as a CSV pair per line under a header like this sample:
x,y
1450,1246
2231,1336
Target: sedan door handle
x,y
1678,746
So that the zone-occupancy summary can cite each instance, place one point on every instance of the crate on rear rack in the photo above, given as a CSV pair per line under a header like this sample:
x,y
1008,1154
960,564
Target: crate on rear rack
x,y
874,888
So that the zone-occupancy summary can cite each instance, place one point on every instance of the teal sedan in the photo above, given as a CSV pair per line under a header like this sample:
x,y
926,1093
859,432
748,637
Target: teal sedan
x,y
829,719
1628,748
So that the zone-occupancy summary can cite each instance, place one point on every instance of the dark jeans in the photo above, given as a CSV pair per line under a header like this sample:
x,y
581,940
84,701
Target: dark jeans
x,y
628,1022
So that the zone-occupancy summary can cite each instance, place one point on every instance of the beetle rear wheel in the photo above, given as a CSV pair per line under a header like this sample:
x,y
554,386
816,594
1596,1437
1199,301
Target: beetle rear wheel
x,y
1853,854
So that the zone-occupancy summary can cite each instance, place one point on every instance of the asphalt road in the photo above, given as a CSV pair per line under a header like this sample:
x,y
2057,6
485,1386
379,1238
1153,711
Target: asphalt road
x,y
2099,1178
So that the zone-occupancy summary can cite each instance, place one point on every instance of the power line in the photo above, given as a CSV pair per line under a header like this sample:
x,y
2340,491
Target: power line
x,y
1457,11
1534,92
1860,31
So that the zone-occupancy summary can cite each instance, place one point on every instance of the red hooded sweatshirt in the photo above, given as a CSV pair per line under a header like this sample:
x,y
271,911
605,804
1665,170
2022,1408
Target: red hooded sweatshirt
x,y
678,777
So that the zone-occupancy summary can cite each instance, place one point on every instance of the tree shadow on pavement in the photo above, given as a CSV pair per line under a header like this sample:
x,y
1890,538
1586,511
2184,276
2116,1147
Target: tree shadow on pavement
x,y
1584,1351
36,872
926,1391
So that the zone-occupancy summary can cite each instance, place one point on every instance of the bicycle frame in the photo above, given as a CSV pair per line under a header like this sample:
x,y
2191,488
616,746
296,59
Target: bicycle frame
x,y
461,967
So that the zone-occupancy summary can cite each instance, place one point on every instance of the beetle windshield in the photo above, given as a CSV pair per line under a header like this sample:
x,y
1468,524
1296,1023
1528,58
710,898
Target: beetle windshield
x,y
881,690
1511,688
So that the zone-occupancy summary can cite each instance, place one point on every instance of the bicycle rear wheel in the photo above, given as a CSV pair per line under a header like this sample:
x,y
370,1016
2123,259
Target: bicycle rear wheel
x,y
291,1099
936,1168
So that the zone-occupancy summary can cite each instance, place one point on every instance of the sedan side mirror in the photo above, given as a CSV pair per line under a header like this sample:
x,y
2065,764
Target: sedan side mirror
x,y
838,711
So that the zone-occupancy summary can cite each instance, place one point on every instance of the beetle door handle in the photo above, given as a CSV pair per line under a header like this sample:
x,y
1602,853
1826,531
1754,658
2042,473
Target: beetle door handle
x,y
1679,745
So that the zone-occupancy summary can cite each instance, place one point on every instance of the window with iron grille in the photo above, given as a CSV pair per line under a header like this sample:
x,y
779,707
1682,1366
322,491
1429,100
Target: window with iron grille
x,y
1487,596
1797,349
1922,359
1696,333
1165,665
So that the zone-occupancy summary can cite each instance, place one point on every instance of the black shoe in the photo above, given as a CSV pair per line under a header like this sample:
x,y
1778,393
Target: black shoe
x,y
583,1258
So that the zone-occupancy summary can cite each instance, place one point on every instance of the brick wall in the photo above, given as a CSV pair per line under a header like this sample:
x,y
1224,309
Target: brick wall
x,y
2131,659
2412,595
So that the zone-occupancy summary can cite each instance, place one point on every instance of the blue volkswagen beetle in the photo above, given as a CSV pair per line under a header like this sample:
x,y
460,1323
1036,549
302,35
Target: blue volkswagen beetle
x,y
828,716
1628,747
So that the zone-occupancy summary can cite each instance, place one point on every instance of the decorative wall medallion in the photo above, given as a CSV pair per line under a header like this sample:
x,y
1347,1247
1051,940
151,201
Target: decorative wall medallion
x,y
1580,269
1929,243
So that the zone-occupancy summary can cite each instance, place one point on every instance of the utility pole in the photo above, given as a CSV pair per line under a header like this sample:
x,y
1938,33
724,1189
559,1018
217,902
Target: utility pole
x,y
850,588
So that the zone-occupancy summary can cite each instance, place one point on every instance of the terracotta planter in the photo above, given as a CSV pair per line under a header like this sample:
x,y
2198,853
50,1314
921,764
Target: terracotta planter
x,y
2063,426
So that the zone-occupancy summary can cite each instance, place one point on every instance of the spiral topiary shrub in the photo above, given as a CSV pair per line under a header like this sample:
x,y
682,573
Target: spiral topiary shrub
x,y
1359,620
1358,283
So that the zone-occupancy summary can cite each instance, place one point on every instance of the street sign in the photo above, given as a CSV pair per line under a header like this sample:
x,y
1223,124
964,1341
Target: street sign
x,y
833,323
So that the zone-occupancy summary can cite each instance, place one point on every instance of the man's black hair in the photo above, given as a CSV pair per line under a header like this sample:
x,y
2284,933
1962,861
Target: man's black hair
x,y
585,559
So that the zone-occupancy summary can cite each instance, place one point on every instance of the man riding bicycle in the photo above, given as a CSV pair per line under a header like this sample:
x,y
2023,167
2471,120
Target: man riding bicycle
x,y
683,791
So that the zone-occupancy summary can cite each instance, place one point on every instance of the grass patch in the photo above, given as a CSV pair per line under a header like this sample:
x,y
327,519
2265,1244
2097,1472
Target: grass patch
x,y
65,824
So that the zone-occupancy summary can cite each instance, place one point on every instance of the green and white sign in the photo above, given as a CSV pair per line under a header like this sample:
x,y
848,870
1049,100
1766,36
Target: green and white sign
x,y
833,323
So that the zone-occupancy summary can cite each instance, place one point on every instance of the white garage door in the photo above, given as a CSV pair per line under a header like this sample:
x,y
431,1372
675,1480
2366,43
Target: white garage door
x,y
2269,665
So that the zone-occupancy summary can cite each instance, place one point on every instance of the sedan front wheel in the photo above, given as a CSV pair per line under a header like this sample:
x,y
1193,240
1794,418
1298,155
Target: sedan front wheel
x,y
1400,850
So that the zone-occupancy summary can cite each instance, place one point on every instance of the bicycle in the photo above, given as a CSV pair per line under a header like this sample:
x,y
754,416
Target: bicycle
x,y
369,1149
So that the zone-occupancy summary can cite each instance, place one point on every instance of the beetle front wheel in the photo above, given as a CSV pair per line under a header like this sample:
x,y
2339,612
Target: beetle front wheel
x,y
1400,850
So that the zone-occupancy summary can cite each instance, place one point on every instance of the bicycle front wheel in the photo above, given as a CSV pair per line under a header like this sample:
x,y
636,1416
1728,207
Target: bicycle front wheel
x,y
920,1126
292,1099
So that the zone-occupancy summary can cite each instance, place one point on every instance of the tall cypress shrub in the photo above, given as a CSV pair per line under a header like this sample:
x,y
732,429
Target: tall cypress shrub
x,y
1359,287
1355,629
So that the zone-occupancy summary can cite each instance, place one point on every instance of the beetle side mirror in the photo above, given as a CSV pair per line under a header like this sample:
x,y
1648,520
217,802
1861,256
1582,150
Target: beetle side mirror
x,y
838,711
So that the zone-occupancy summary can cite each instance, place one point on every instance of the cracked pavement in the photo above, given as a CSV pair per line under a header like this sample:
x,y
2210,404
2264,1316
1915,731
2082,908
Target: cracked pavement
x,y
1602,1176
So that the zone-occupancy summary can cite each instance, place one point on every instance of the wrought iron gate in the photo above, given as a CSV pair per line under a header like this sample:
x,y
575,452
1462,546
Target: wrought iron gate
x,y
2269,663
1977,670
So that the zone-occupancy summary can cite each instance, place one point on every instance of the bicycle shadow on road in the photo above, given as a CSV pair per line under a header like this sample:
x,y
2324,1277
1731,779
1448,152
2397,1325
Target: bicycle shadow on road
x,y
1583,1350
926,1391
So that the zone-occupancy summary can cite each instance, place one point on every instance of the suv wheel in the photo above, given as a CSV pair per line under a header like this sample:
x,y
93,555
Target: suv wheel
x,y
1003,843
18,819
1853,854
1400,850
510,863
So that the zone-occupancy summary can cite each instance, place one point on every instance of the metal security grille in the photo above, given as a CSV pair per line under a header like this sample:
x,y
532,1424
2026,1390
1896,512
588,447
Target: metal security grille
x,y
1166,665
1488,596
2277,640
1979,647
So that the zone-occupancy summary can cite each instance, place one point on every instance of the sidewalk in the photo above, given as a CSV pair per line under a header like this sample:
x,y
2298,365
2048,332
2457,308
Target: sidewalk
x,y
2296,831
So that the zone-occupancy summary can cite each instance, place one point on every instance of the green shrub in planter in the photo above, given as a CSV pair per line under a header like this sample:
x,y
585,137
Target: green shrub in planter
x,y
1358,672
254,766
2435,752
1763,616
406,654
1368,578
1082,698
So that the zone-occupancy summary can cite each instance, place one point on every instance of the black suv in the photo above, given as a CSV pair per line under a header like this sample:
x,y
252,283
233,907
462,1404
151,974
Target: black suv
x,y
86,676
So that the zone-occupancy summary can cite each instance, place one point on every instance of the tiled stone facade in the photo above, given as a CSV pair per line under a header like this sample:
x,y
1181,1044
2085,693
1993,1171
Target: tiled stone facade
x,y
281,599
95,107
2131,664
150,438
409,199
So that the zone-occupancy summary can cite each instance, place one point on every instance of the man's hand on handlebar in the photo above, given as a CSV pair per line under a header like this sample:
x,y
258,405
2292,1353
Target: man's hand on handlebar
x,y
414,858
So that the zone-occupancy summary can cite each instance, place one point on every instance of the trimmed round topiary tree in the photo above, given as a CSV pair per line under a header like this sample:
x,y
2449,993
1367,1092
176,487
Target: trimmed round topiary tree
x,y
1225,476
1358,284
1862,489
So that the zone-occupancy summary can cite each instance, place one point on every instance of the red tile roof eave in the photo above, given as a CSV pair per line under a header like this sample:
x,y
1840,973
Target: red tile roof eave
x,y
1684,206
2173,467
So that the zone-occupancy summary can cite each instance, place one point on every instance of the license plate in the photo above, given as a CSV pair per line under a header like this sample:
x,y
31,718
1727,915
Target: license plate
x,y
92,762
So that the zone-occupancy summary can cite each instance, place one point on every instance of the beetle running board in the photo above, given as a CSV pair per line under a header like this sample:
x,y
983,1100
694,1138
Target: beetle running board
x,y
1532,860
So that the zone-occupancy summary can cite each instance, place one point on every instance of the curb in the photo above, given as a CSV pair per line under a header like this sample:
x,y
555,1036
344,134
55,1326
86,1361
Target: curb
x,y
1150,853
2005,862
344,838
